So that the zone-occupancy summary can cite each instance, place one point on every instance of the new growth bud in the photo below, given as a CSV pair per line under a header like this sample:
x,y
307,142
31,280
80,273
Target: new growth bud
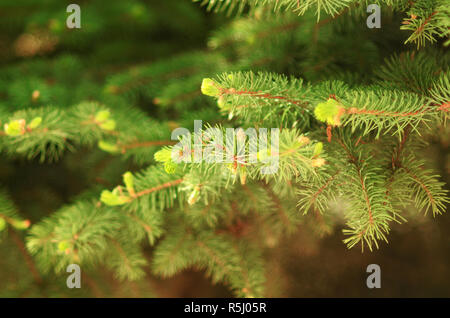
x,y
210,88
243,175
102,119
2,224
63,246
170,167
35,95
108,147
165,156
303,140
36,122
20,224
318,149
319,162
195,195
329,112
108,125
102,115
15,127
128,180
114,197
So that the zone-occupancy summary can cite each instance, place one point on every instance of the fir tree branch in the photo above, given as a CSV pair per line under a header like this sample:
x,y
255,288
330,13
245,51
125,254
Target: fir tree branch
x,y
322,188
232,91
159,187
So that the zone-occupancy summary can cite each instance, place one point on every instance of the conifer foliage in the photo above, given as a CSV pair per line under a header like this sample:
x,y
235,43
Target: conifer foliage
x,y
356,109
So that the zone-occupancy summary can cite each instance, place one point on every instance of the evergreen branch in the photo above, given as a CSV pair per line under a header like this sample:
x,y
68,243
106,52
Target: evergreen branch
x,y
386,111
377,109
224,262
73,234
261,95
369,217
246,95
127,261
297,6
36,132
440,91
428,20
412,71
152,183
317,196
173,254
9,214
428,192
159,187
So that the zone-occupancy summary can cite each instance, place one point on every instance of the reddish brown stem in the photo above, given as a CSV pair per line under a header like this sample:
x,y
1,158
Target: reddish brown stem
x,y
29,261
232,91
160,187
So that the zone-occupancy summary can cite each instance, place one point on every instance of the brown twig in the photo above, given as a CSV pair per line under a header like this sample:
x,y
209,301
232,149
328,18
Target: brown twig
x,y
28,259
